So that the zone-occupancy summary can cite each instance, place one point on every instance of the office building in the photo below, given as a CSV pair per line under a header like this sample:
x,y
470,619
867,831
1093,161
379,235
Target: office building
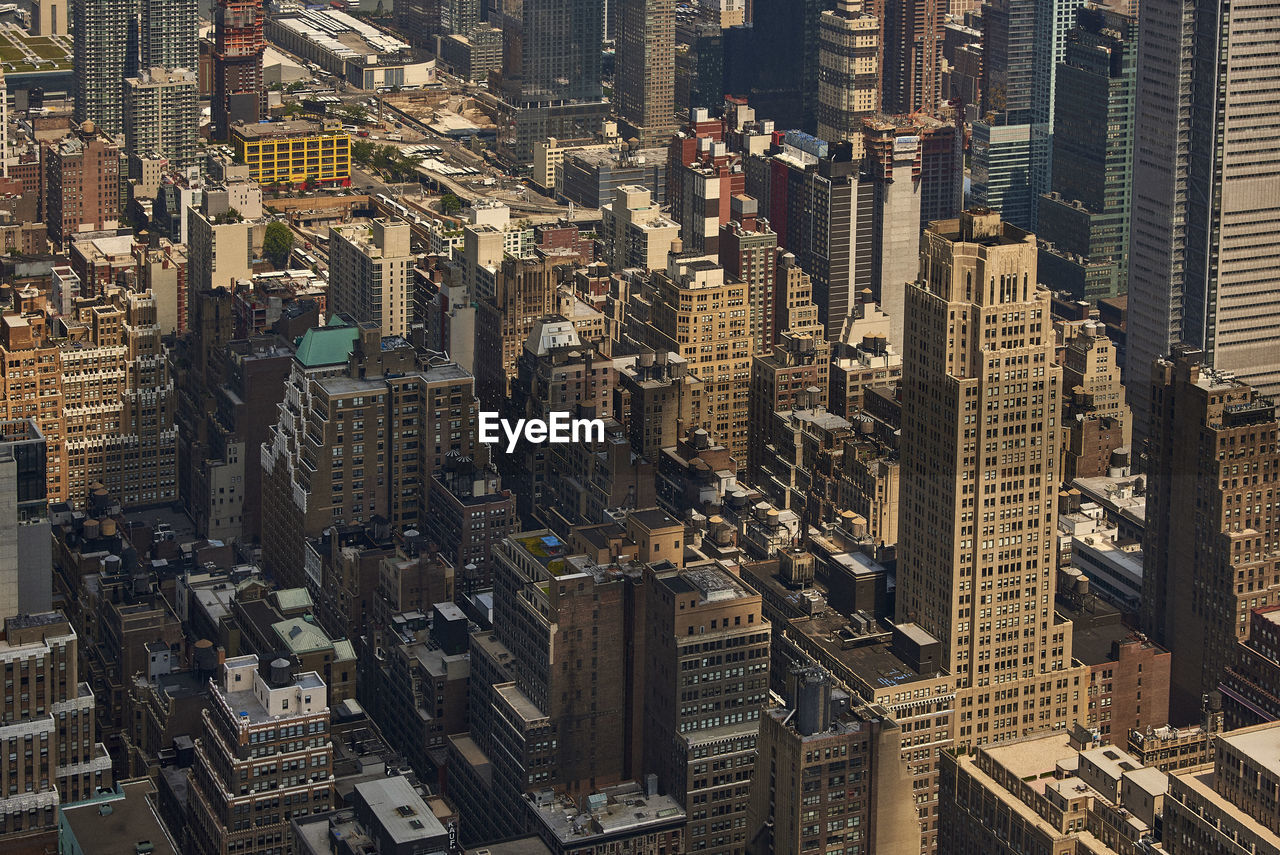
x,y
1199,193
1251,688
82,182
1086,215
1004,160
686,301
1096,422
830,774
54,720
911,36
1210,545
238,91
635,232
293,152
345,380
748,251
26,555
105,50
23,344
168,34
550,81
960,488
645,77
1045,794
848,72
1227,807
265,730
386,817
698,715
370,268
775,62
161,110
526,290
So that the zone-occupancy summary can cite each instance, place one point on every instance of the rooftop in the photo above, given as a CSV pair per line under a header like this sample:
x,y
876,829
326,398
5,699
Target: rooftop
x,y
399,809
119,823
1261,744
624,809
292,128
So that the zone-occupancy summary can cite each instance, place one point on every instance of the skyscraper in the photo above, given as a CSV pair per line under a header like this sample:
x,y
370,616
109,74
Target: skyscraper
x,y
160,114
1212,540
1205,174
1087,214
167,38
646,69
238,93
848,73
372,268
911,51
977,549
105,51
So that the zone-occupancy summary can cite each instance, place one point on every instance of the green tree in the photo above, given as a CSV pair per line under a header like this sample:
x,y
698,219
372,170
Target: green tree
x,y
450,204
277,243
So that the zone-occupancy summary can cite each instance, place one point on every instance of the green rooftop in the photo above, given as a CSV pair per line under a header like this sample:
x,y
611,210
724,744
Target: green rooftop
x,y
289,599
328,345
302,636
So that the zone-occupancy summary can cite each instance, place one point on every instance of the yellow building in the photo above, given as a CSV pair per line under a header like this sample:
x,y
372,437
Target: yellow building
x,y
293,152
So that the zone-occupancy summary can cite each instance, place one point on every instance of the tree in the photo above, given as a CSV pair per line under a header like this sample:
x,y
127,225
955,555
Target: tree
x,y
450,204
277,243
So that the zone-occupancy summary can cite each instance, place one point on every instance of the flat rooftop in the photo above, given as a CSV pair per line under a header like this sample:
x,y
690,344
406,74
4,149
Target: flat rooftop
x,y
116,823
1262,744
291,128
621,810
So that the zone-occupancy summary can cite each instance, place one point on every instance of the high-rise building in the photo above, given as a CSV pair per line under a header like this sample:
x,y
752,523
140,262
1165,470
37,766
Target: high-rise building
x,y
1251,688
551,73
82,182
977,548
774,62
702,710
264,756
371,268
1226,807
24,346
1095,420
748,251
161,109
1086,216
1211,542
848,72
829,774
238,91
356,438
167,38
26,555
635,231
911,54
53,719
105,50
686,302
1003,163
644,85
1201,179
49,18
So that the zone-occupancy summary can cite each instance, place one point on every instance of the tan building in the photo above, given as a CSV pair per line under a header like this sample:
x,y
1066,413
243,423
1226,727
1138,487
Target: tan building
x,y
1095,418
265,755
848,73
1212,539
645,88
1230,806
977,551
118,400
31,386
47,730
698,313
370,274
1043,794
792,377
636,233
